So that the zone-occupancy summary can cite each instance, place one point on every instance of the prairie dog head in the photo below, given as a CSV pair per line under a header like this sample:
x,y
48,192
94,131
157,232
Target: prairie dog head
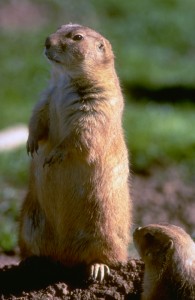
x,y
160,244
76,49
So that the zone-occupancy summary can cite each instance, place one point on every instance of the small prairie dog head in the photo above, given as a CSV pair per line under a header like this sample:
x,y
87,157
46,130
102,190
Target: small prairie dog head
x,y
77,49
158,244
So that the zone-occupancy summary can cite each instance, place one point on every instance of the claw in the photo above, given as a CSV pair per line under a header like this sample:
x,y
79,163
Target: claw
x,y
36,147
32,147
47,162
99,270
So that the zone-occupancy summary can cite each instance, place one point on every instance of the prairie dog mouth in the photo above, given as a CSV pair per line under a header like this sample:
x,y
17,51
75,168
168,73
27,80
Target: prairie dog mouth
x,y
51,57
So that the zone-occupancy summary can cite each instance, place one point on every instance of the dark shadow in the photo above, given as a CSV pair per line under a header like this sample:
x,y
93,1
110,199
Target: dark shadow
x,y
37,276
170,94
36,273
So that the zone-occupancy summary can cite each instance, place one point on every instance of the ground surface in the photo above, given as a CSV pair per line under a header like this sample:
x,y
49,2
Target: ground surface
x,y
165,195
38,278
161,196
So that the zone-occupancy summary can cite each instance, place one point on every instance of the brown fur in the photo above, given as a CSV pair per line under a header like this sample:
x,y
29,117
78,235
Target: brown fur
x,y
169,256
77,209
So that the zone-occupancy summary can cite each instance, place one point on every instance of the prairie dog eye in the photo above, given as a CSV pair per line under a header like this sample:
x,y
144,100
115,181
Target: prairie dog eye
x,y
148,254
78,37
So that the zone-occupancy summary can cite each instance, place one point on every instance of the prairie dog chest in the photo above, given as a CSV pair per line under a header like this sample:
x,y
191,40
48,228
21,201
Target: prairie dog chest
x,y
62,109
75,114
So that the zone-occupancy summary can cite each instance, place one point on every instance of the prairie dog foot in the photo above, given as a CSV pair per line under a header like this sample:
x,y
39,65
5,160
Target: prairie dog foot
x,y
56,156
99,270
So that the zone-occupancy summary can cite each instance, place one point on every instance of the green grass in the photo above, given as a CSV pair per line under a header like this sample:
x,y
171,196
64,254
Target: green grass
x,y
153,40
10,207
24,72
14,167
13,183
160,134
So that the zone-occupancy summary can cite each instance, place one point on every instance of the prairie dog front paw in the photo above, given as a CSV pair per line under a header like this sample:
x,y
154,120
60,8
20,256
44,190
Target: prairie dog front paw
x,y
32,145
55,156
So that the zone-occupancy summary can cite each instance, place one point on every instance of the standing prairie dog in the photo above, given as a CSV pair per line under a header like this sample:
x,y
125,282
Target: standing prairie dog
x,y
169,256
78,209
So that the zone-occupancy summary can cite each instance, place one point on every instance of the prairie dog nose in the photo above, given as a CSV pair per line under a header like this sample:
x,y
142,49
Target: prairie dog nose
x,y
51,40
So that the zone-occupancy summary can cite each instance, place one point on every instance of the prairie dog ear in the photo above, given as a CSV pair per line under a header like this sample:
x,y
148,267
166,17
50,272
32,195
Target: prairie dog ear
x,y
104,50
101,45
169,245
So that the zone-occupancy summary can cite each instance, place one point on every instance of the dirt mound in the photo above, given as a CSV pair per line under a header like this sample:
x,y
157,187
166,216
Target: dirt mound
x,y
165,195
41,278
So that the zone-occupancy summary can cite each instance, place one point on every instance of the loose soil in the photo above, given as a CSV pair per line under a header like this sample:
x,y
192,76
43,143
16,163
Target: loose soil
x,y
40,278
162,196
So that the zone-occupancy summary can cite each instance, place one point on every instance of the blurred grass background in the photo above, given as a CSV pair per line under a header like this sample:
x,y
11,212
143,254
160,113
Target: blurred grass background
x,y
154,45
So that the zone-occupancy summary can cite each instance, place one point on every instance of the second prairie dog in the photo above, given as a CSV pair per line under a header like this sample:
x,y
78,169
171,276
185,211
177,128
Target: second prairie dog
x,y
169,256
78,209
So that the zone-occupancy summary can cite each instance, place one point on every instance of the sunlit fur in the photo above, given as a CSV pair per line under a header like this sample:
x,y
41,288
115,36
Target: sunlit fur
x,y
78,209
